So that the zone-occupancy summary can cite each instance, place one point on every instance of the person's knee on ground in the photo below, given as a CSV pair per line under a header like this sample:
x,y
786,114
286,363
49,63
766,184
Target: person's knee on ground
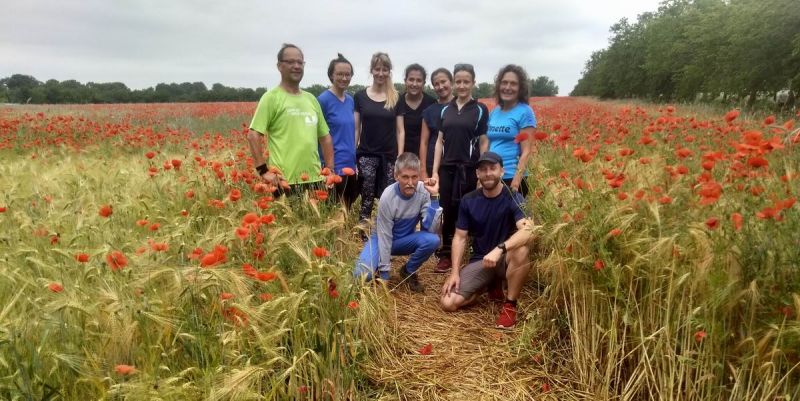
x,y
453,301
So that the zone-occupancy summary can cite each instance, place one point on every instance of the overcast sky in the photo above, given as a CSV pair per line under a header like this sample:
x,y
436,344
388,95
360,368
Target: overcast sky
x,y
144,42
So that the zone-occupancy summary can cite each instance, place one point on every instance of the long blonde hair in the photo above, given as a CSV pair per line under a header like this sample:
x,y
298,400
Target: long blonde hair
x,y
391,93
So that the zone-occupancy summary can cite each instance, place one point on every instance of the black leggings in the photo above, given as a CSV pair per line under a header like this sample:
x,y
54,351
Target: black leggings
x,y
454,182
347,190
376,173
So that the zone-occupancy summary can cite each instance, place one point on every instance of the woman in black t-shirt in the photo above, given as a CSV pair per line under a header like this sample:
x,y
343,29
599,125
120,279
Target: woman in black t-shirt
x,y
409,110
376,133
462,138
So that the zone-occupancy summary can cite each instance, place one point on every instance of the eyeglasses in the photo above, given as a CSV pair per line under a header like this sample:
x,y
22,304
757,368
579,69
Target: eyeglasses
x,y
301,63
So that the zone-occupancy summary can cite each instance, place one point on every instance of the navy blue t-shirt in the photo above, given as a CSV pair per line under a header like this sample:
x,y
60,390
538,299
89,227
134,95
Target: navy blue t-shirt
x,y
461,131
432,116
489,221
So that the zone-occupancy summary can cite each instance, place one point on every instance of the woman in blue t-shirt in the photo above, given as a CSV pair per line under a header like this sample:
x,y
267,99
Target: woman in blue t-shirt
x,y
511,126
442,82
337,107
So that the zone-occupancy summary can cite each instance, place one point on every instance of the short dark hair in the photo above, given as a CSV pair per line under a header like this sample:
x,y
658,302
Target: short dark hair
x,y
522,76
416,67
464,67
286,46
337,60
441,70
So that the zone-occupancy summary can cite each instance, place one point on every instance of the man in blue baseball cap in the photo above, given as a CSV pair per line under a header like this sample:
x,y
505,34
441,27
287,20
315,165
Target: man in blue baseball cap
x,y
492,216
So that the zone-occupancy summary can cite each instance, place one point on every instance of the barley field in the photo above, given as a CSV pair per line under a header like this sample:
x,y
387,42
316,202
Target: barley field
x,y
141,259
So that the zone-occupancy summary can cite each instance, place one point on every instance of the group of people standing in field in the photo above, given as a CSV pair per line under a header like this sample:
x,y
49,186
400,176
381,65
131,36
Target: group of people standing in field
x,y
445,164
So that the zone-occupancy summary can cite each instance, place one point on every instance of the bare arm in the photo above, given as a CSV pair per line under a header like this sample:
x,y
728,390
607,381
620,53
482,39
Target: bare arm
x,y
484,143
424,135
257,142
437,156
523,236
357,120
326,143
525,152
401,135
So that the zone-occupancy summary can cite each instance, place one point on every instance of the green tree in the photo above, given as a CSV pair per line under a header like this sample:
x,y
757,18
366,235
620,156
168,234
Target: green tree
x,y
543,86
20,88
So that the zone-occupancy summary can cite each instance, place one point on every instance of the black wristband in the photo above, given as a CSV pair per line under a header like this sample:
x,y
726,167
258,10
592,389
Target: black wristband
x,y
262,169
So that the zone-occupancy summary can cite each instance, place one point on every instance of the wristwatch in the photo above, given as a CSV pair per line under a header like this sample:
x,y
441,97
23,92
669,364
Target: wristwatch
x,y
502,247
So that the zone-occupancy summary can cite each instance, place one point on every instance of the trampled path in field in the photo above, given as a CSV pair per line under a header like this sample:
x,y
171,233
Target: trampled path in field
x,y
470,359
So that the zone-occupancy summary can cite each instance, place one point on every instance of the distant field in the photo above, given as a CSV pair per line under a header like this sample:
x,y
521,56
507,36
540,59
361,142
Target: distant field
x,y
141,259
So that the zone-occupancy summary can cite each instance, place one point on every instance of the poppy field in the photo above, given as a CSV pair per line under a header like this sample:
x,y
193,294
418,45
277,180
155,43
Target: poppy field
x,y
141,258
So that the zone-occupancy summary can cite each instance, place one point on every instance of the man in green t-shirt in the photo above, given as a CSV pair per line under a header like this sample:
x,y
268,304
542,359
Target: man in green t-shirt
x,y
292,122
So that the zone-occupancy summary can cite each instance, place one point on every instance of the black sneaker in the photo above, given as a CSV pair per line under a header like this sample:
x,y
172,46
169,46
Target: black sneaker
x,y
412,281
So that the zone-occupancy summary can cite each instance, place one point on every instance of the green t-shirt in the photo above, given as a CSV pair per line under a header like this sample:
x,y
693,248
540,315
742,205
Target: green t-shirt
x,y
293,124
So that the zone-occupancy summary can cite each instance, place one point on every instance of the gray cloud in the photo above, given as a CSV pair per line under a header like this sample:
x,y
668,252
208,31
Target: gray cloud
x,y
142,43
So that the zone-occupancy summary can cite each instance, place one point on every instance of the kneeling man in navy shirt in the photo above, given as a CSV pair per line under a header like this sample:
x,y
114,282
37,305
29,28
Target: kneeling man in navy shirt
x,y
493,217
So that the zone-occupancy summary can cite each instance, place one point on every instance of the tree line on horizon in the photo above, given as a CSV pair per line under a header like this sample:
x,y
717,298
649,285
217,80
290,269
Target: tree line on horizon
x,y
700,49
23,89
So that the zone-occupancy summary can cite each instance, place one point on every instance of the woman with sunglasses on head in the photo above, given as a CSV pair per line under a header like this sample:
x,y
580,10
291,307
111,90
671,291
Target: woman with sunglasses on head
x,y
337,107
462,138
376,133
511,126
409,110
442,82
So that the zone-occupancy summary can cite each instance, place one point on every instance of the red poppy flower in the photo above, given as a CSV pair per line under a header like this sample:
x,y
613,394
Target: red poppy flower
x,y
264,296
189,194
304,177
348,171
105,210
540,135
757,162
125,370
82,257
700,335
352,305
731,115
176,163
250,218
321,194
226,296
242,233
141,222
426,349
150,154
737,220
235,195
320,252
266,276
769,120
615,232
2,209
154,226
599,265
55,287
116,260
712,223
